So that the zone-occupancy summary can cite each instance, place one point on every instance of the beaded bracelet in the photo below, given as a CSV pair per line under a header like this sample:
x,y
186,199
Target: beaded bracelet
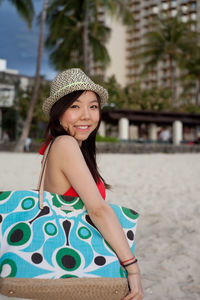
x,y
125,261
133,262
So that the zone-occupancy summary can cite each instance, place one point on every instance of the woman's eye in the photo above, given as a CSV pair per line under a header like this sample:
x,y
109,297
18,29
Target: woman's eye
x,y
74,106
94,106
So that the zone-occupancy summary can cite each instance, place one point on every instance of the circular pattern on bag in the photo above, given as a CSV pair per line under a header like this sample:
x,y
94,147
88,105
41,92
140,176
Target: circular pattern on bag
x,y
8,268
4,195
84,233
130,235
130,213
69,276
28,203
50,229
100,260
68,259
19,234
36,258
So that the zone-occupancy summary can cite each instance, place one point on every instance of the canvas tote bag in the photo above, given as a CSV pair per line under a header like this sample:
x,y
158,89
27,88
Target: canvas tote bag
x,y
50,249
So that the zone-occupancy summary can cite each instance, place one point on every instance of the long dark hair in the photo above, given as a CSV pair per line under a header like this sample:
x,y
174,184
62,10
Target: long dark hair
x,y
88,147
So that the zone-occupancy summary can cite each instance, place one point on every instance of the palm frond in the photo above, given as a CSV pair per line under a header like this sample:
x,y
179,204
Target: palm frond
x,y
100,53
25,9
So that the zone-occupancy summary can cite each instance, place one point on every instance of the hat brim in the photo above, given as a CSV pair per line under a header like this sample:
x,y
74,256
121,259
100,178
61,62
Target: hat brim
x,y
99,90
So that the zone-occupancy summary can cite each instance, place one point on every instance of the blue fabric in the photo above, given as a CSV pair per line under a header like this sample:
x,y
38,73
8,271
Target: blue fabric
x,y
52,243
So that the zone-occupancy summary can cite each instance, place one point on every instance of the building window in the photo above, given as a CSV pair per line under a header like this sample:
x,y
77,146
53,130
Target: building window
x,y
173,3
184,19
165,5
193,5
193,27
184,8
155,9
174,12
193,17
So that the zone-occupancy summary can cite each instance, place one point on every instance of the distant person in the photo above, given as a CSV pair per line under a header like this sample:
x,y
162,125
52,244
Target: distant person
x,y
5,137
165,135
27,144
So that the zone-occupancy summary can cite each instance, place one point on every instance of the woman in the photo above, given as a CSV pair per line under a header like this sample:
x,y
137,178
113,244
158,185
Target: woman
x,y
74,110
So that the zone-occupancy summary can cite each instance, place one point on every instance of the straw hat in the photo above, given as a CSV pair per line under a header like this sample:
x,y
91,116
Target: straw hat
x,y
69,81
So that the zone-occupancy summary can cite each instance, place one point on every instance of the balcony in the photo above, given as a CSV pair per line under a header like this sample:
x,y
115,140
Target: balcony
x,y
146,4
135,8
130,65
129,30
135,1
129,47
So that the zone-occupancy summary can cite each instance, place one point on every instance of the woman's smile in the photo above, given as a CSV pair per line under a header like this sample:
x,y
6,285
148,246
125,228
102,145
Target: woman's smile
x,y
82,127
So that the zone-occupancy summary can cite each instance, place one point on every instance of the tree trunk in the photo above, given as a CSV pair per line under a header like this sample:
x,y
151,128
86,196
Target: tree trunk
x,y
86,59
20,145
172,80
197,91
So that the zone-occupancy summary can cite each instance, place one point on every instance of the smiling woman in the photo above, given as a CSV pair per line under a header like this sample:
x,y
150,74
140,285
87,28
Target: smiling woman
x,y
74,110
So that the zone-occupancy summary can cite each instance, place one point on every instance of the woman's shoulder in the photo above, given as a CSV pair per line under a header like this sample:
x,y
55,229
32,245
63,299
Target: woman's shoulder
x,y
63,140
65,144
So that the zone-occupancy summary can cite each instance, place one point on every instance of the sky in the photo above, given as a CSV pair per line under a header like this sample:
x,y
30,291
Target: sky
x,y
18,44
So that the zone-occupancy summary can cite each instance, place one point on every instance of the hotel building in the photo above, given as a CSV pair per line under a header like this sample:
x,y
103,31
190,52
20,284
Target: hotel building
x,y
127,41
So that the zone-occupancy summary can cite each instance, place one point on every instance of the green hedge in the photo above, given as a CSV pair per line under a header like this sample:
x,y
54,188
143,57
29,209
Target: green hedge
x,y
106,139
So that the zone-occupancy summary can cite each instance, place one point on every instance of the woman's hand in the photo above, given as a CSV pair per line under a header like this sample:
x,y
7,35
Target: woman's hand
x,y
136,292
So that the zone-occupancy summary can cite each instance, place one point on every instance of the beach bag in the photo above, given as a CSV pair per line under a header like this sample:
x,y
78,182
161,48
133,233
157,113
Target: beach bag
x,y
50,248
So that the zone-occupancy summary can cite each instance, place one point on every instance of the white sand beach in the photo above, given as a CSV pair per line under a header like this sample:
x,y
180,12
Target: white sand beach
x,y
165,190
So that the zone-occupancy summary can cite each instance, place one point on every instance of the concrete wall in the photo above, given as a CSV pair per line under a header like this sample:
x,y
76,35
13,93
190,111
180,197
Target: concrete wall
x,y
123,148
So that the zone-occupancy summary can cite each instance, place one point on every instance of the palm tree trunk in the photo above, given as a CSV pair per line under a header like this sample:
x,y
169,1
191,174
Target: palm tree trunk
x,y
172,80
20,145
197,90
86,59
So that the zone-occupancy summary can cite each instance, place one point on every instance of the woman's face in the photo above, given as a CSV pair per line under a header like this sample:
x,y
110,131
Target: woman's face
x,y
82,117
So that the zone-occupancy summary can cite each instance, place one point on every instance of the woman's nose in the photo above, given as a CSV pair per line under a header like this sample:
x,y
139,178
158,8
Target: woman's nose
x,y
86,113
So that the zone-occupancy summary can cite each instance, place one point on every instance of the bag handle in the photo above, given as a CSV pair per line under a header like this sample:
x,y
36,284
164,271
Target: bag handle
x,y
42,175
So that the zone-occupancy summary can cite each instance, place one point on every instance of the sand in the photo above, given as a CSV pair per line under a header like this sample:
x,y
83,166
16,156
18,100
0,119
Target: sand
x,y
165,190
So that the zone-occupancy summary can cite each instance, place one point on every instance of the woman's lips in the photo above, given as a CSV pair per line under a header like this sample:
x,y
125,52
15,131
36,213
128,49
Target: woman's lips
x,y
82,127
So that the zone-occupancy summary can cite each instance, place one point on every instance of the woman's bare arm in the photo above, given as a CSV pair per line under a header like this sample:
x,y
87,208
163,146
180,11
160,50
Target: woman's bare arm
x,y
70,160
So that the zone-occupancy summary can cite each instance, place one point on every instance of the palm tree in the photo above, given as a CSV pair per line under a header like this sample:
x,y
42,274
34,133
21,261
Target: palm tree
x,y
191,65
168,41
66,36
76,34
20,145
25,9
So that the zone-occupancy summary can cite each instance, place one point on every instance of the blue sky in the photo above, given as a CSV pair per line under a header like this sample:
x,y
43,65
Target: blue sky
x,y
18,44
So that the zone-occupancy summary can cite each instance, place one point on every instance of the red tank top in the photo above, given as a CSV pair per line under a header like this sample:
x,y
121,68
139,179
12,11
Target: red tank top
x,y
71,192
